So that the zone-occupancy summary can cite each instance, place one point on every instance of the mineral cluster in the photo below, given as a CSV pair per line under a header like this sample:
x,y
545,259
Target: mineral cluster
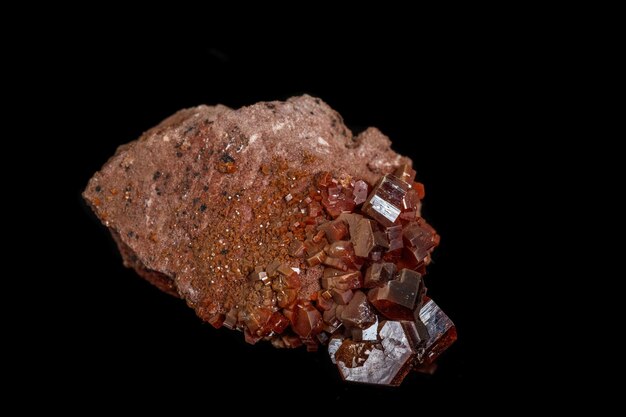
x,y
276,221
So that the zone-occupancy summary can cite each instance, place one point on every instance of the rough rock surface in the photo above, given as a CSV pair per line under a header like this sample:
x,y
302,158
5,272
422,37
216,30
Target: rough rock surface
x,y
197,202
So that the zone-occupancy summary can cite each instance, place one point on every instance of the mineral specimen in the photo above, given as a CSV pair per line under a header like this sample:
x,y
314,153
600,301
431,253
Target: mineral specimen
x,y
276,221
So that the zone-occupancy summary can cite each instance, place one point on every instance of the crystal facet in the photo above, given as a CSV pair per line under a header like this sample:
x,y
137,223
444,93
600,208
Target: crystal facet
x,y
378,274
386,363
358,313
397,298
385,202
405,173
363,239
441,330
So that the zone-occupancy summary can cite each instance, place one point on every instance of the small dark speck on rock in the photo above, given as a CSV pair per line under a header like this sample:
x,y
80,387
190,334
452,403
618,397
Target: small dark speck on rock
x,y
98,188
179,154
226,158
203,207
224,251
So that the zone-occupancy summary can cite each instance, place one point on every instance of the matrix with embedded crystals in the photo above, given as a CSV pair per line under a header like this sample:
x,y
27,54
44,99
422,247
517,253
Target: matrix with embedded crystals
x,y
275,220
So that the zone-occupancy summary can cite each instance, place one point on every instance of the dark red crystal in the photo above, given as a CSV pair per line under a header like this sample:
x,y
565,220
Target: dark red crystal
x,y
306,320
335,230
405,173
396,298
386,201
385,363
441,331
363,239
358,313
378,274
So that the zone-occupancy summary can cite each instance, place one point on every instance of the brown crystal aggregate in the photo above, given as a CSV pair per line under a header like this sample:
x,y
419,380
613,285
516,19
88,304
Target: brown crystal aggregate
x,y
275,221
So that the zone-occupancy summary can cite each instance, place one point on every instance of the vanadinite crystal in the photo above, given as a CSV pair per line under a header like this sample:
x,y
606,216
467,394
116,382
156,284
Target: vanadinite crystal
x,y
275,221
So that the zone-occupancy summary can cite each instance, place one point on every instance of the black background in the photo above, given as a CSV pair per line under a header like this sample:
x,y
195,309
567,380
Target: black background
x,y
442,106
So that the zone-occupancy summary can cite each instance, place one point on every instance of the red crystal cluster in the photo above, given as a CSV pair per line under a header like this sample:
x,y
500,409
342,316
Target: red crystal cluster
x,y
370,247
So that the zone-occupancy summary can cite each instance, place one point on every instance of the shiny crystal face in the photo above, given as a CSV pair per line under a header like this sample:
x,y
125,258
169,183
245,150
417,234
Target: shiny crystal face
x,y
385,362
370,249
441,331
386,201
